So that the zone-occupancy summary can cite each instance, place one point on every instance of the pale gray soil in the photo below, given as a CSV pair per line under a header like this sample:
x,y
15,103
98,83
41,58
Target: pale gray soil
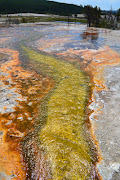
x,y
108,125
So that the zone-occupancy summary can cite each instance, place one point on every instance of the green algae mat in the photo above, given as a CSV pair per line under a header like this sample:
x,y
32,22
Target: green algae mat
x,y
63,137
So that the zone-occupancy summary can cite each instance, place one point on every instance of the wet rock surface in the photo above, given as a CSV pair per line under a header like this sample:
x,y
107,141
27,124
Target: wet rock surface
x,y
20,96
96,51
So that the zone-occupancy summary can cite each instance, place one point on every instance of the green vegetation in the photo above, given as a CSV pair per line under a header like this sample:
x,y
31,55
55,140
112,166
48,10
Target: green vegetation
x,y
63,136
108,19
50,19
38,6
33,19
111,20
92,15
118,15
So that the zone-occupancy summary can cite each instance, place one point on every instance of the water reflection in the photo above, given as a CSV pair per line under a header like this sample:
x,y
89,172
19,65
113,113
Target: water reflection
x,y
90,35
